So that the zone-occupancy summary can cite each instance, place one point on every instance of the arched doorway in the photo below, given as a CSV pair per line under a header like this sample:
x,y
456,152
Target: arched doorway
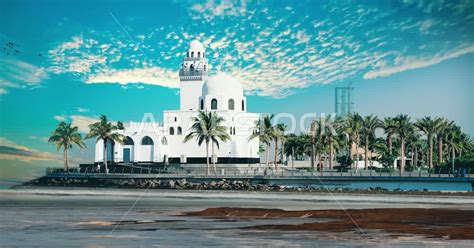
x,y
146,149
128,149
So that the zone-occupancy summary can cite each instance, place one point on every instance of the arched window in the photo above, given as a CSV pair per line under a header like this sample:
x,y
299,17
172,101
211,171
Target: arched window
x,y
234,131
202,104
214,103
171,130
243,105
191,67
175,119
164,141
204,67
179,131
192,54
128,141
199,54
147,141
231,104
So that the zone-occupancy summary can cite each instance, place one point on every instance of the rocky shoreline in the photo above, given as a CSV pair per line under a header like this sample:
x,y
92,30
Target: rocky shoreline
x,y
218,184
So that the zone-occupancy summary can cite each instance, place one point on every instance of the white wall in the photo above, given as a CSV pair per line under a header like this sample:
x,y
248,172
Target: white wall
x,y
189,94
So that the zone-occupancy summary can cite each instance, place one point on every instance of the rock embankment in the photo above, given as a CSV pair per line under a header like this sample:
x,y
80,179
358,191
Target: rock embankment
x,y
209,184
219,184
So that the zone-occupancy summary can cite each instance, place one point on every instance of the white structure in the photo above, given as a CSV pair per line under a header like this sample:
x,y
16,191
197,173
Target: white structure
x,y
152,142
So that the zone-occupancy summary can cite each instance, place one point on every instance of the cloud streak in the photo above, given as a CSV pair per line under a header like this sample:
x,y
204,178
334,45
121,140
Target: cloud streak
x,y
17,73
411,63
12,151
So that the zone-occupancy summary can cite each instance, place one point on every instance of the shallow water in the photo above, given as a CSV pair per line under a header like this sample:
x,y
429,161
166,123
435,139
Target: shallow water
x,y
89,217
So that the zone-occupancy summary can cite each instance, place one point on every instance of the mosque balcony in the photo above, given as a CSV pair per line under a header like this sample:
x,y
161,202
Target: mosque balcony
x,y
193,58
195,73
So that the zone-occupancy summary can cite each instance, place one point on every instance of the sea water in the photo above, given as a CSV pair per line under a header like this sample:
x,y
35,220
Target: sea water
x,y
71,217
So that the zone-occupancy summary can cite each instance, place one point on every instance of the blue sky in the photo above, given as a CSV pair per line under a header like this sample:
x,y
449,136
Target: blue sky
x,y
121,58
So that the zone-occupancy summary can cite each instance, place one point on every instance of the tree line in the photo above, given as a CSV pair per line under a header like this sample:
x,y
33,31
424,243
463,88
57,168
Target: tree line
x,y
328,139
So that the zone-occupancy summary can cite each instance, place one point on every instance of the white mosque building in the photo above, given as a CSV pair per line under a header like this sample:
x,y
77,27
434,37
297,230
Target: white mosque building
x,y
152,142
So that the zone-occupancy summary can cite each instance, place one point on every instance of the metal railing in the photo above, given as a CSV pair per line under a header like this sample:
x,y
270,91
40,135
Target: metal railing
x,y
139,170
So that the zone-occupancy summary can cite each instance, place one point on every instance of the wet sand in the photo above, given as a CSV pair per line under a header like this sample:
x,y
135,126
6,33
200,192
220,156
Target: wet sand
x,y
450,224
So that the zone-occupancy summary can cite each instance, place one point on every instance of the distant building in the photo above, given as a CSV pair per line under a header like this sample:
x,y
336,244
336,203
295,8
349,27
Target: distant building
x,y
344,100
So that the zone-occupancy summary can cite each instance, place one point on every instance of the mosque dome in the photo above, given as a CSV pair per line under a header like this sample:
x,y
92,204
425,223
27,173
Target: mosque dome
x,y
222,84
196,49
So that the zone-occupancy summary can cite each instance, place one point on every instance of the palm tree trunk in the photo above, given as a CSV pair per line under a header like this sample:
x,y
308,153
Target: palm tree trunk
x,y
313,155
212,158
366,148
66,167
415,159
282,157
266,155
440,151
402,155
389,144
105,155
357,153
430,151
453,158
207,158
276,154
331,151
320,165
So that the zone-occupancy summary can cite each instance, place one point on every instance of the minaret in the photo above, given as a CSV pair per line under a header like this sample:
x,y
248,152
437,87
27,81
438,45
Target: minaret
x,y
192,75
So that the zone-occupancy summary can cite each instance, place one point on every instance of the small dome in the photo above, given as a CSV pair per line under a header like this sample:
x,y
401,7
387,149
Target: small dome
x,y
196,46
222,84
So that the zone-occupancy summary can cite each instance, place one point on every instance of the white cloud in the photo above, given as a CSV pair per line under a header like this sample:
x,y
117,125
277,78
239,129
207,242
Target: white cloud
x,y
404,63
218,8
82,110
302,36
44,139
78,55
59,118
152,75
83,122
20,74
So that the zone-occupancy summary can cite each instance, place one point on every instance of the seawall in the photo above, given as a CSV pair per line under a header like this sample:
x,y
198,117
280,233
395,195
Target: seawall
x,y
297,183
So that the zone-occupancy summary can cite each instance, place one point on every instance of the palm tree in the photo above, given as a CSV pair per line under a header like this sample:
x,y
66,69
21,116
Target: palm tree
x,y
329,132
264,131
414,142
65,137
403,128
388,126
352,129
208,128
454,141
315,126
278,135
369,125
442,129
105,130
428,126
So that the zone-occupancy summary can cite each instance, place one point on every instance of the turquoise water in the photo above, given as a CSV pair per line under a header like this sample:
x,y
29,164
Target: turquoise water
x,y
88,218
